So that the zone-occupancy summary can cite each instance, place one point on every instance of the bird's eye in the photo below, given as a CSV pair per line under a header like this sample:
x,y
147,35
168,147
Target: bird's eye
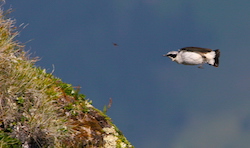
x,y
172,55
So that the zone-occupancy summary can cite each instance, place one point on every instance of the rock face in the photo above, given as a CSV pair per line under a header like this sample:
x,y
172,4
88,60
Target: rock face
x,y
39,110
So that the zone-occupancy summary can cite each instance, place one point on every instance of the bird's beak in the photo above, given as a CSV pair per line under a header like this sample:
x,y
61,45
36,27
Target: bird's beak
x,y
165,55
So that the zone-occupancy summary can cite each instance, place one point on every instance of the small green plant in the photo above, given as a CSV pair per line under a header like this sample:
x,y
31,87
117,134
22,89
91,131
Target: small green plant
x,y
106,108
8,142
20,100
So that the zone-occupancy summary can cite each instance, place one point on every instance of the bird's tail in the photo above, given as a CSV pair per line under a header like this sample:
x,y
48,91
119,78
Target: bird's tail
x,y
213,58
216,58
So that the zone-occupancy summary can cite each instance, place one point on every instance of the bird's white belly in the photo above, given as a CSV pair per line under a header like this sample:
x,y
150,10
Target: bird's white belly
x,y
191,58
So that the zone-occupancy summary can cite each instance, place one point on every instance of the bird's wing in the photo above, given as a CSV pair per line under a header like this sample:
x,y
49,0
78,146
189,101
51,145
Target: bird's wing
x,y
196,49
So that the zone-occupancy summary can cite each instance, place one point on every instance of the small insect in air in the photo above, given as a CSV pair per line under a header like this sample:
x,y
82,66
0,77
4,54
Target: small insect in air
x,y
195,56
115,44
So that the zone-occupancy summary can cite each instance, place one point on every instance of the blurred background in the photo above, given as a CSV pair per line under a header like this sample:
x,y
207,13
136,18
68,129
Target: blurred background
x,y
156,102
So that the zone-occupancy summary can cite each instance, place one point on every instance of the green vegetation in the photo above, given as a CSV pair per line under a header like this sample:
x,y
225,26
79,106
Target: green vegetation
x,y
8,142
39,110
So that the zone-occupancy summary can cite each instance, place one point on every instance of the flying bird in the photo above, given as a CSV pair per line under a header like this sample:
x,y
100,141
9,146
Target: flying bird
x,y
195,56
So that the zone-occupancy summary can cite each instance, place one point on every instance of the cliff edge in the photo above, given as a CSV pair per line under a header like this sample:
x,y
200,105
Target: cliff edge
x,y
39,110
